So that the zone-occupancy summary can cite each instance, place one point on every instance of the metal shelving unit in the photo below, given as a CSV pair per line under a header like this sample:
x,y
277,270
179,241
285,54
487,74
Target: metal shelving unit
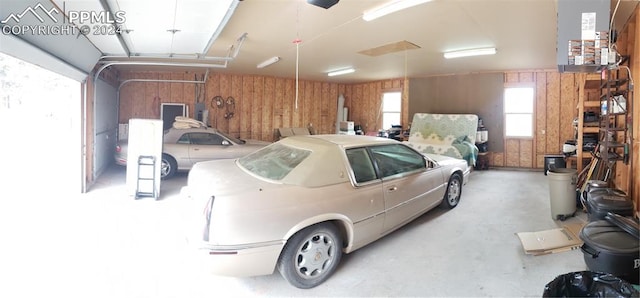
x,y
615,119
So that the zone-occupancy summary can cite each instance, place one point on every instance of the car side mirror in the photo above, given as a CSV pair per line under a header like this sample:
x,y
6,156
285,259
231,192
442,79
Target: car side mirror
x,y
225,143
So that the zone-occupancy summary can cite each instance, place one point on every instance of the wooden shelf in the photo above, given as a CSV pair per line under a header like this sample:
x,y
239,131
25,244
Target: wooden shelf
x,y
572,161
591,129
592,84
592,104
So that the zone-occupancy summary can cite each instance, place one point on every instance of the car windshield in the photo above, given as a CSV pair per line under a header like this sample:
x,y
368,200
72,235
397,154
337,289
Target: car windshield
x,y
274,162
233,139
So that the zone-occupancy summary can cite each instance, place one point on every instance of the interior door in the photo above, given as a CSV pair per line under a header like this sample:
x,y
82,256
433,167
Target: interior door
x,y
169,112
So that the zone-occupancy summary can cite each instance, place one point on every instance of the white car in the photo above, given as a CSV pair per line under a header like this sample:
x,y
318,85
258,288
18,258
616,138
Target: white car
x,y
299,204
182,148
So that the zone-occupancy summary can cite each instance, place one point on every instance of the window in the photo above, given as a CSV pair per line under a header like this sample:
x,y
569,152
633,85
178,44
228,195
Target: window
x,y
203,138
361,165
274,161
391,108
518,112
397,159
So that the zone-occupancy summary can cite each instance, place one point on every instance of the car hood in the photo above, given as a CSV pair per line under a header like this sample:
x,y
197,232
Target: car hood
x,y
445,160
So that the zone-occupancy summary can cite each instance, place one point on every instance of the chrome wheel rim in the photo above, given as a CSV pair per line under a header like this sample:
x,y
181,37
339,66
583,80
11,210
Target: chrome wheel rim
x,y
165,168
453,193
315,256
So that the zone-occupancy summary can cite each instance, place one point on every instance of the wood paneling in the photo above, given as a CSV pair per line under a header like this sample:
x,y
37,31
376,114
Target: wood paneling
x,y
634,51
262,104
541,118
555,109
553,115
568,103
626,177
526,154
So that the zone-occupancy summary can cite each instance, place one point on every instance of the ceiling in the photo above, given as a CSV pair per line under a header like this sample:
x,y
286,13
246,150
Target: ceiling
x,y
523,31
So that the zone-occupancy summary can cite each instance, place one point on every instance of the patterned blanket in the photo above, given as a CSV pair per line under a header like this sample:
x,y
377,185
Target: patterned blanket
x,y
445,134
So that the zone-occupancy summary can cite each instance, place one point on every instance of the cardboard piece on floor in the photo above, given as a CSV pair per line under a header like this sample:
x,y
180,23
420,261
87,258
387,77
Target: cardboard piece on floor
x,y
551,241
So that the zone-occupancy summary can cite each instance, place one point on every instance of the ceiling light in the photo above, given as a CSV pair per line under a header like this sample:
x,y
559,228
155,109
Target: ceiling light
x,y
341,72
268,62
467,53
390,7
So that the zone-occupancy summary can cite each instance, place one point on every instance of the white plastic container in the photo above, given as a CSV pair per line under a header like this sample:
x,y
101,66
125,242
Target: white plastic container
x,y
562,192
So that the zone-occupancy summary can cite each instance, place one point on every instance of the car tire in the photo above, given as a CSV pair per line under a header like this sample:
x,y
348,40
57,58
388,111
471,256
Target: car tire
x,y
168,167
311,256
453,193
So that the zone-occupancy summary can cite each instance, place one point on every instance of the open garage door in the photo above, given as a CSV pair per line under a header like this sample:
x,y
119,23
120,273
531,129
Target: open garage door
x,y
42,25
105,132
40,127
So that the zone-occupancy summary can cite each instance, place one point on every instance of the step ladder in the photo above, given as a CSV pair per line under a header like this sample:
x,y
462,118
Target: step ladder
x,y
146,176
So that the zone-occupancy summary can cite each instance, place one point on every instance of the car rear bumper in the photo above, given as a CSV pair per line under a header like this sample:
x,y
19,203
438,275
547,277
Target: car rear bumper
x,y
241,261
120,159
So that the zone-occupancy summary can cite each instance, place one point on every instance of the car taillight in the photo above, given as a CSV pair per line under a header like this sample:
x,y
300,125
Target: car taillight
x,y
118,149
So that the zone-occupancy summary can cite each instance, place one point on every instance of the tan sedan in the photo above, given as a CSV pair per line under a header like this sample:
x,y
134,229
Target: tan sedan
x,y
182,148
300,203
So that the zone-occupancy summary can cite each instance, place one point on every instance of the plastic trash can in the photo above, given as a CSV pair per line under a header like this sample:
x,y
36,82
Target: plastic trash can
x,y
589,284
562,192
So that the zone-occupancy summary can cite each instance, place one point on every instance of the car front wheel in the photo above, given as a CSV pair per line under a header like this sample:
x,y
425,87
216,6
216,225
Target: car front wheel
x,y
311,256
168,167
454,190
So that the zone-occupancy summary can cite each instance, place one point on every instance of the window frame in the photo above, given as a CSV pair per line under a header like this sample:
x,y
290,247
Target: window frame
x,y
354,169
533,109
426,164
383,112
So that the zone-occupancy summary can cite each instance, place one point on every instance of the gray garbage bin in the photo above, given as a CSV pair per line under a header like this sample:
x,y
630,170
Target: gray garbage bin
x,y
562,192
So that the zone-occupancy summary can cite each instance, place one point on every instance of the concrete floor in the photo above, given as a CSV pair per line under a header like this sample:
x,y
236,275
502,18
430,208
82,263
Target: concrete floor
x,y
105,244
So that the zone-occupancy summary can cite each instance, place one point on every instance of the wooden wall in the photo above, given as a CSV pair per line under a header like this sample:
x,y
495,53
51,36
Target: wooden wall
x,y
364,102
479,94
556,99
262,104
627,177
633,49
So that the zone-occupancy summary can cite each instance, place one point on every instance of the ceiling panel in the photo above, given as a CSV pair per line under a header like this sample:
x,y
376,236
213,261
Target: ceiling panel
x,y
168,27
102,35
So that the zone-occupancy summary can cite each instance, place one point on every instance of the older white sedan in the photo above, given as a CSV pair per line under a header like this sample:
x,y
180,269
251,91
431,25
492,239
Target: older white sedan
x,y
184,147
300,203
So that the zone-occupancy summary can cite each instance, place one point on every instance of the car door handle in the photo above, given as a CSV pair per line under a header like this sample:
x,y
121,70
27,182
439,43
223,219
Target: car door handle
x,y
196,149
393,188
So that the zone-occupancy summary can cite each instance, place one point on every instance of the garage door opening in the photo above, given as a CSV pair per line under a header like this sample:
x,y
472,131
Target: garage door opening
x,y
40,128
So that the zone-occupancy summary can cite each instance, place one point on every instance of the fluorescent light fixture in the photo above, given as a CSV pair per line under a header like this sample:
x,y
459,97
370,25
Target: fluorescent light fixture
x,y
341,72
472,52
390,7
268,62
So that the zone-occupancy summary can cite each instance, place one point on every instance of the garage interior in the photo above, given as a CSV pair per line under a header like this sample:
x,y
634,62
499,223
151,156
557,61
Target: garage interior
x,y
90,238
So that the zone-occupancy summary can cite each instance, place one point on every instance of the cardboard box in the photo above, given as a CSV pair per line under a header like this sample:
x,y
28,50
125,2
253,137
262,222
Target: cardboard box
x,y
551,241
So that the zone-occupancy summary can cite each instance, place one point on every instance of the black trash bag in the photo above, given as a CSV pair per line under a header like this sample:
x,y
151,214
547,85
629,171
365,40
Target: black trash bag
x,y
589,284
